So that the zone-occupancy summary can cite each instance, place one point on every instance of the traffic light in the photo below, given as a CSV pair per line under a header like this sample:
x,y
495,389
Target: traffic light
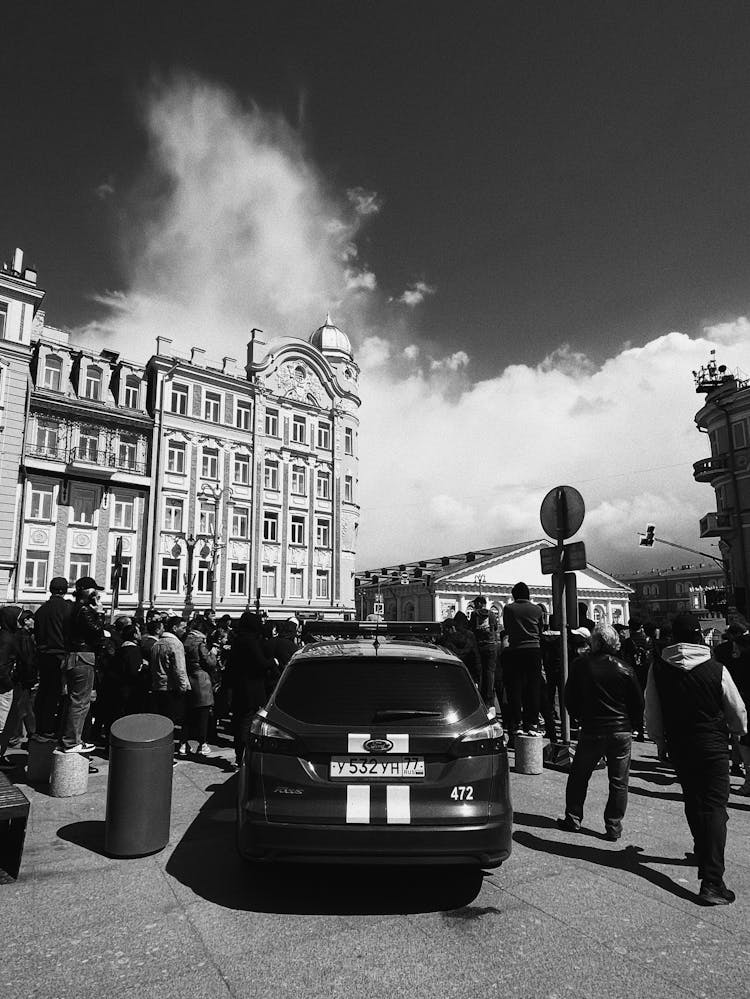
x,y
647,540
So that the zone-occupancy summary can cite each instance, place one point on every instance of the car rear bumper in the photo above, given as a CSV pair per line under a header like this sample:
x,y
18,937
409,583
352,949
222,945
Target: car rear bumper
x,y
486,845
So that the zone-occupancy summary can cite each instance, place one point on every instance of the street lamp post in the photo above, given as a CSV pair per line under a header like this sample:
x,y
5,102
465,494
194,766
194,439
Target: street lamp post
x,y
189,577
214,494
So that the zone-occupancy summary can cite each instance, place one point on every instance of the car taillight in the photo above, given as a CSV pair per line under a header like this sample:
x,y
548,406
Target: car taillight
x,y
481,741
268,738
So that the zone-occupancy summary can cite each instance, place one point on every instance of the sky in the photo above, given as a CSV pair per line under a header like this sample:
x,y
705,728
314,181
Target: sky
x,y
532,220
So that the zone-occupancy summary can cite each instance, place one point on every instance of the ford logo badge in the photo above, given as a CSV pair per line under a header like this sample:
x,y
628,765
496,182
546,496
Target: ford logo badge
x,y
378,745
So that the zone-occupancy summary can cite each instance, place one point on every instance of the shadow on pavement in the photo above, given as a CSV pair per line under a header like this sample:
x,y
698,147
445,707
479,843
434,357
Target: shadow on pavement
x,y
206,861
670,796
88,834
629,858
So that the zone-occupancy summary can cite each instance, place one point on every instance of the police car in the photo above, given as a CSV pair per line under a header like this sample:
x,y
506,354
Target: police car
x,y
375,747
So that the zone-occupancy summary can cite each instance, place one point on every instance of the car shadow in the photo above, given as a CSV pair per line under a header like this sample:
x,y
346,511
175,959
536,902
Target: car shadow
x,y
206,861
629,858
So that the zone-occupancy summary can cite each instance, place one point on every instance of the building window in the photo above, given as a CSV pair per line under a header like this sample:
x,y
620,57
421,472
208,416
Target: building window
x,y
83,508
242,469
321,584
270,526
323,485
296,582
88,443
124,512
207,518
348,489
739,435
46,438
170,575
268,581
132,391
53,373
212,407
40,503
299,480
238,578
348,440
210,463
323,533
203,578
127,452
298,531
124,573
272,423
178,402
240,520
176,458
299,429
243,414
173,514
271,475
35,570
324,436
80,565
3,319
93,385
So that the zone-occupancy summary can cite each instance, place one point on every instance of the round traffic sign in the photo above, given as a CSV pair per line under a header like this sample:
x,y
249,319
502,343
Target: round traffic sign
x,y
562,512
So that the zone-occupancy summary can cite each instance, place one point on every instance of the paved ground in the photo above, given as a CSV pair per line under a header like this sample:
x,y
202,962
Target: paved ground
x,y
568,915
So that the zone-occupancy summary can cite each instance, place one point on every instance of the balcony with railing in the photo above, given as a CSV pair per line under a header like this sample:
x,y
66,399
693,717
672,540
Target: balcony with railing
x,y
716,525
708,468
110,461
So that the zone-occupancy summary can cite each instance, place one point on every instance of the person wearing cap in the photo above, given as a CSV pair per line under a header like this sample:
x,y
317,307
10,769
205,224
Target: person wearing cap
x,y
603,694
692,705
85,637
50,627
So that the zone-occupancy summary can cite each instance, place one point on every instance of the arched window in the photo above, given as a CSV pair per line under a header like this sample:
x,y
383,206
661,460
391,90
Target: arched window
x,y
52,373
93,386
600,615
616,616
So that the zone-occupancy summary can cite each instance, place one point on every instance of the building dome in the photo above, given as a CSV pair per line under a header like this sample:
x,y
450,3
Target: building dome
x,y
329,338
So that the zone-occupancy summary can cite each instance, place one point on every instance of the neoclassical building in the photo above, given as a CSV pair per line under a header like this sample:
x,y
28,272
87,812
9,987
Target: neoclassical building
x,y
435,588
204,483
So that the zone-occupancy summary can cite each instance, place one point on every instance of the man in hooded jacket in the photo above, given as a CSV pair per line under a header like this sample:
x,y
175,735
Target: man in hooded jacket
x,y
692,704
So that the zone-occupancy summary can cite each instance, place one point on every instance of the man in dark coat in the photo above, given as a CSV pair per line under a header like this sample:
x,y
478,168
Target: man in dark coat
x,y
523,622
603,694
692,704
85,638
484,624
50,628
248,668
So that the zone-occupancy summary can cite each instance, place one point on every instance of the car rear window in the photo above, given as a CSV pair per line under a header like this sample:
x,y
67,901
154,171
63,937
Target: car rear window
x,y
351,691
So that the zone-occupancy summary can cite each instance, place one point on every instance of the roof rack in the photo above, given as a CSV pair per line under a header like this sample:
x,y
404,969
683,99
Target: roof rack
x,y
369,629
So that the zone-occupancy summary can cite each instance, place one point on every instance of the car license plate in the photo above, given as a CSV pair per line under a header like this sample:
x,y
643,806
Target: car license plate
x,y
387,767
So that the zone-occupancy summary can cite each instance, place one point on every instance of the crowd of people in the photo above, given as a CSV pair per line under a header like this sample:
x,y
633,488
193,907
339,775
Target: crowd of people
x,y
67,676
623,683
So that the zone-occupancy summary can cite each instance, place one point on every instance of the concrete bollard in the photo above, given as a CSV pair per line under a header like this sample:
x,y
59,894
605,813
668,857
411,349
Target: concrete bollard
x,y
39,763
529,754
70,775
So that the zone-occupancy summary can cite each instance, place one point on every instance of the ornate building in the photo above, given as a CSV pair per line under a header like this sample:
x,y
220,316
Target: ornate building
x,y
204,484
725,419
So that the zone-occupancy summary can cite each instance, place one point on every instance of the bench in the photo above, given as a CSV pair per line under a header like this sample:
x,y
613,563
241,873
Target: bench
x,y
14,814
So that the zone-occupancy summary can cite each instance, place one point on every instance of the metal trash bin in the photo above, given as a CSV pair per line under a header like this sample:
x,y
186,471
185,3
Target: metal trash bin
x,y
139,786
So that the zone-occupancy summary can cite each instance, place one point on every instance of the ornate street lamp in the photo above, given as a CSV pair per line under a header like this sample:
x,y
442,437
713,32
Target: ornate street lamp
x,y
212,547
189,577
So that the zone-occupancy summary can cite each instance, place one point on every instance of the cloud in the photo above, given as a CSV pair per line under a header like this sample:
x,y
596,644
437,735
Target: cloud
x,y
364,202
105,190
231,225
416,293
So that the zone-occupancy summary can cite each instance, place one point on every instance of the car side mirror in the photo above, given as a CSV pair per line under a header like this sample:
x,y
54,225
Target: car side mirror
x,y
491,713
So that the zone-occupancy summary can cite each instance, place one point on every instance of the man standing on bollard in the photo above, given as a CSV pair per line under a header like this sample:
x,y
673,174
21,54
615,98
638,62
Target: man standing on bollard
x,y
603,693
50,629
692,704
484,625
85,636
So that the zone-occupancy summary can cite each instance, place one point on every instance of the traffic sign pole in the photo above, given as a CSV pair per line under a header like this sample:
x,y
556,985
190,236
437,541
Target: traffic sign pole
x,y
561,613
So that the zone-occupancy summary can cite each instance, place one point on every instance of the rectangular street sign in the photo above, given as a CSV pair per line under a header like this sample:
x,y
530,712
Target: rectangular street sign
x,y
378,608
574,557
